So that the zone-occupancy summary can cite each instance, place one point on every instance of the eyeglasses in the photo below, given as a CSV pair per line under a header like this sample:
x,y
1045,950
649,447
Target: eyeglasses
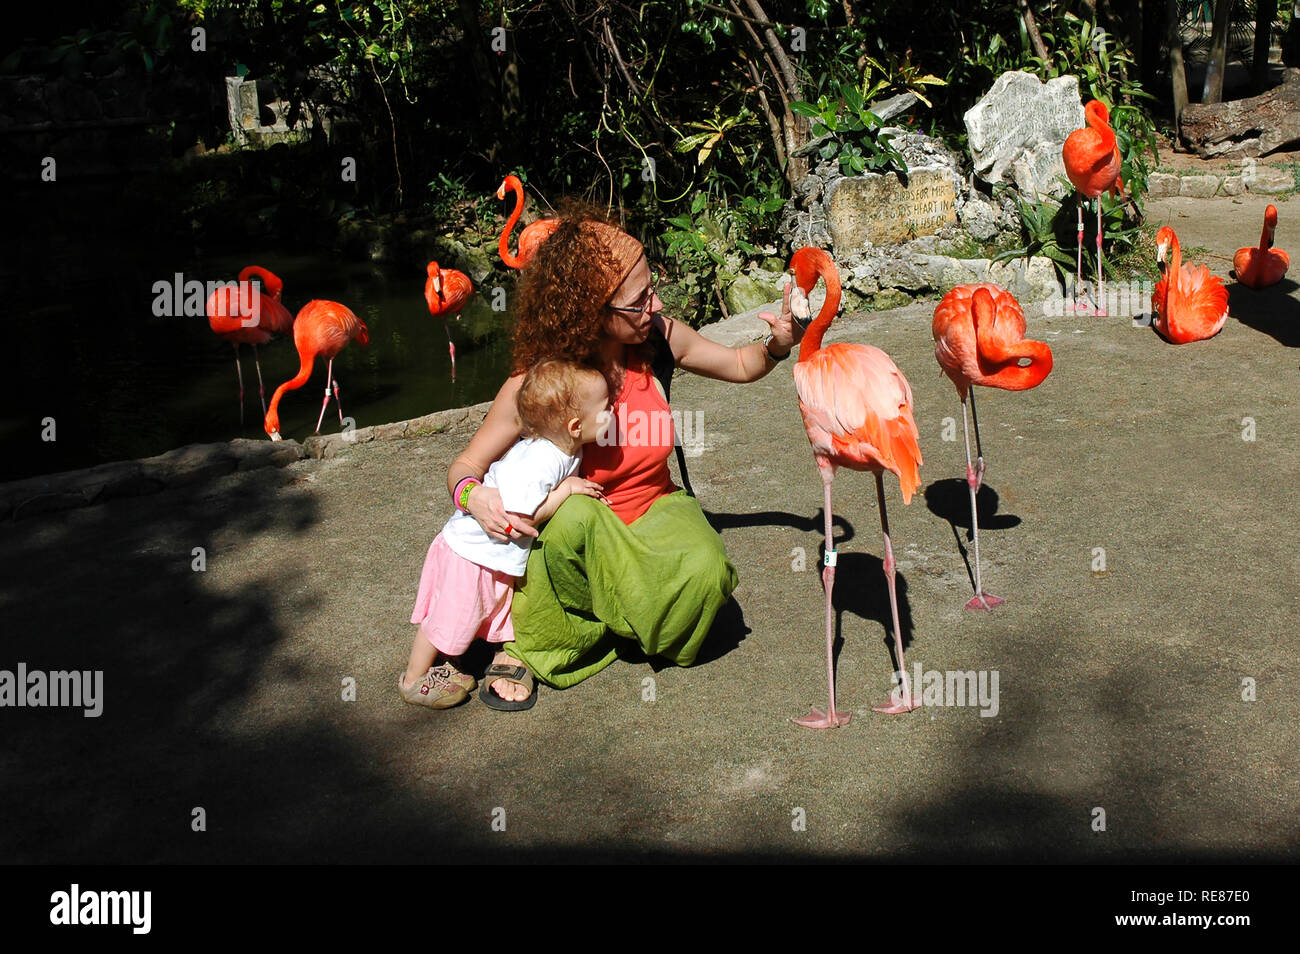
x,y
644,302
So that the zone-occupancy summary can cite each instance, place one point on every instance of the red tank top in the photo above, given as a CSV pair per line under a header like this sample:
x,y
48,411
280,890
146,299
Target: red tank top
x,y
631,462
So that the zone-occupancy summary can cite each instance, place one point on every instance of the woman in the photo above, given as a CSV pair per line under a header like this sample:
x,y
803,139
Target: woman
x,y
644,564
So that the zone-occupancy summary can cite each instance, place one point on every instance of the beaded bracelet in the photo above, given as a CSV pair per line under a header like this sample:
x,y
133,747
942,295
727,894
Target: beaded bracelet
x,y
460,496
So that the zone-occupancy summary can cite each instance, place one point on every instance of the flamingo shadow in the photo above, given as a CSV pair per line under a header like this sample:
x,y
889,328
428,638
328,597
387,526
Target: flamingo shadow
x,y
779,518
862,590
1271,310
950,499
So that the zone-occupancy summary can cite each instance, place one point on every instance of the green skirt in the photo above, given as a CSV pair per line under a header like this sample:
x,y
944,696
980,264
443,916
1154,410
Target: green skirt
x,y
593,580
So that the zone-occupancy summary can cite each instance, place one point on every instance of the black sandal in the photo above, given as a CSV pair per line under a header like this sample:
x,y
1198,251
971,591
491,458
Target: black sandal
x,y
519,675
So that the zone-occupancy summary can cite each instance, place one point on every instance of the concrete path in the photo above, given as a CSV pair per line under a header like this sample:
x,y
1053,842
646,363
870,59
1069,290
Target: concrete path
x,y
1120,684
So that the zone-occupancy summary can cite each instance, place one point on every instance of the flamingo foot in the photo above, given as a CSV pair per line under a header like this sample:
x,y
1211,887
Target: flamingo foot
x,y
816,719
984,601
898,703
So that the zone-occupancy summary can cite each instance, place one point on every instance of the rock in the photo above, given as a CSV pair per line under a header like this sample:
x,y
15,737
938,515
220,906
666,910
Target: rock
x,y
453,253
1199,187
1031,281
979,219
746,293
879,209
1039,172
251,455
1162,185
1020,115
862,281
190,464
890,298
1267,180
1233,185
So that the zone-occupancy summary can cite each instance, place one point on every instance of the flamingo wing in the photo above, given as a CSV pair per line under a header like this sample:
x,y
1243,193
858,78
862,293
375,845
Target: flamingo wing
x,y
857,410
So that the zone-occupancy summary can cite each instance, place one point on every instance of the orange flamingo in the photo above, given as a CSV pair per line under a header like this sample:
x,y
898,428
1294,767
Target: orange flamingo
x,y
531,237
246,316
322,329
1189,303
857,410
447,291
1265,265
979,338
1092,162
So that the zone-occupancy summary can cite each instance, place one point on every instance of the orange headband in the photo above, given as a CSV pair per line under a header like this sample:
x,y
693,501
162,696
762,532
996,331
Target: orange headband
x,y
625,250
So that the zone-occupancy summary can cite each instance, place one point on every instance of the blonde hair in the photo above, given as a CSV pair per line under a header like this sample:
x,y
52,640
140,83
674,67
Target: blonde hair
x,y
550,396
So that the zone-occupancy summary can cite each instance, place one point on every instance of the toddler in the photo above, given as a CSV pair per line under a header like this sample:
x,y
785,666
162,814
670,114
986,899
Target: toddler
x,y
468,578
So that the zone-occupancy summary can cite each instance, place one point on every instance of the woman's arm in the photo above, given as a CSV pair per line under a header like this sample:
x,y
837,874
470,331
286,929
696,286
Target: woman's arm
x,y
496,435
741,364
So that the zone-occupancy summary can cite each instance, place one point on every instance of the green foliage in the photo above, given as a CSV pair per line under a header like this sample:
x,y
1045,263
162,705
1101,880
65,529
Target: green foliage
x,y
850,131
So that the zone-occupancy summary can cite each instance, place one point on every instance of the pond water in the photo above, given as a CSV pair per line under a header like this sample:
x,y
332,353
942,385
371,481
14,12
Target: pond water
x,y
120,382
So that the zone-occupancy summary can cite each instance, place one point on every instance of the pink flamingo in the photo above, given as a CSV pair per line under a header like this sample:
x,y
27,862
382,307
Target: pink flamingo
x,y
1190,303
447,291
1265,265
322,329
979,338
246,316
857,410
531,237
1092,161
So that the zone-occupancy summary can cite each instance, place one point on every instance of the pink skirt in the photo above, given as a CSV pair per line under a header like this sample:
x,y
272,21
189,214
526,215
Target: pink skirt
x,y
459,601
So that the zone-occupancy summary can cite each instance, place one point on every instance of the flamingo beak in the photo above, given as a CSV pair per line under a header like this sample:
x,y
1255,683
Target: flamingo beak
x,y
501,192
275,436
437,285
1160,253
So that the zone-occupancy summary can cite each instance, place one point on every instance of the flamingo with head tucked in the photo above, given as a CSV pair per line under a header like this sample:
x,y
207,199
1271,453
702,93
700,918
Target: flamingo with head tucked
x,y
857,410
1265,265
1190,304
447,291
979,338
322,329
244,315
531,237
1092,162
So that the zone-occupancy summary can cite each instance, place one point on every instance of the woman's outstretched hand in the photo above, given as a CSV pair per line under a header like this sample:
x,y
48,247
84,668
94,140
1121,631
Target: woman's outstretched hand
x,y
485,506
785,333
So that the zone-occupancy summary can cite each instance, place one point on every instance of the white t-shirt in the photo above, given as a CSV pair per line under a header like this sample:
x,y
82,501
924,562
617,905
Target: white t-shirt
x,y
524,476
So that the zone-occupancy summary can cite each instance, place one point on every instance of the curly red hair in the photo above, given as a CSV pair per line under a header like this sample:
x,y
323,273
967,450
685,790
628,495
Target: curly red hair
x,y
560,306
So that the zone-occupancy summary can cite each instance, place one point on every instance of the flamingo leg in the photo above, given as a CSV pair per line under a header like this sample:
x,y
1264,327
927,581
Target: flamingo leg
x,y
979,448
980,600
329,376
1101,281
239,372
816,719
261,389
451,348
1078,266
902,700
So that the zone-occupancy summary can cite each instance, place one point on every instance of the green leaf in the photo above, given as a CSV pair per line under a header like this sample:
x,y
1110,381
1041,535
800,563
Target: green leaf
x,y
805,109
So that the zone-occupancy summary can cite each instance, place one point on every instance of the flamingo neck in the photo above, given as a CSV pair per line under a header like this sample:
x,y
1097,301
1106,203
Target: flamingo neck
x,y
1266,238
1103,129
503,246
306,360
812,338
1011,375
1175,268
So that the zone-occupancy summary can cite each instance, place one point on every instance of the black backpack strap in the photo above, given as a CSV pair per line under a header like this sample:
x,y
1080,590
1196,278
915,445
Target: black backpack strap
x,y
662,365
